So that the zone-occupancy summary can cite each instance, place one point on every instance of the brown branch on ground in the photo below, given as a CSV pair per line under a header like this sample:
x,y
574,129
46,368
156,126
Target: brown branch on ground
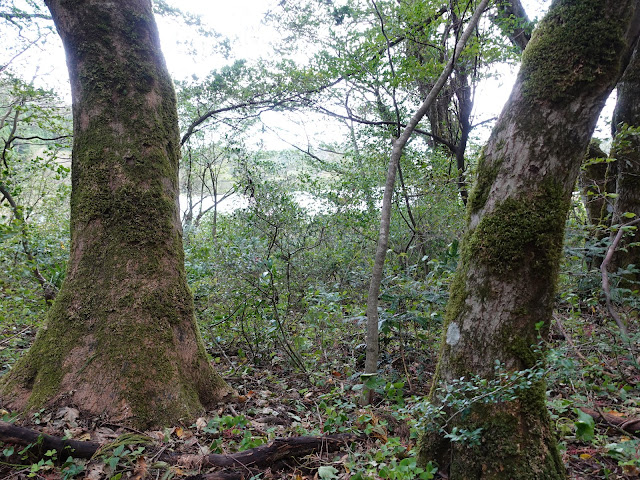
x,y
258,457
10,433
218,476
628,425
266,455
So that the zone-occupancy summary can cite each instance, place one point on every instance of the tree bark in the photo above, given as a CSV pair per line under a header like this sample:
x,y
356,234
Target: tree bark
x,y
515,23
626,150
505,283
121,339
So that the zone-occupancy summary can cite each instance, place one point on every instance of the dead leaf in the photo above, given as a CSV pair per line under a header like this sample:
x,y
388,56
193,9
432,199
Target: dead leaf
x,y
615,413
104,435
156,435
85,437
69,415
178,471
74,432
95,472
140,471
201,423
190,442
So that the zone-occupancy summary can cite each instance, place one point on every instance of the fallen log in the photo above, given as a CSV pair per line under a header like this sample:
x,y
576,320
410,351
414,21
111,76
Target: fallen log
x,y
266,455
258,457
218,476
629,425
10,433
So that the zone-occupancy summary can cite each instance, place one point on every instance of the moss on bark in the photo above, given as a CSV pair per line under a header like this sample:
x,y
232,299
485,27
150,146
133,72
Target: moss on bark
x,y
505,283
575,45
486,176
513,445
121,339
525,232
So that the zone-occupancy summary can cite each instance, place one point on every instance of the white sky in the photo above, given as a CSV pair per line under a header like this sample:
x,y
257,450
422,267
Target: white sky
x,y
240,20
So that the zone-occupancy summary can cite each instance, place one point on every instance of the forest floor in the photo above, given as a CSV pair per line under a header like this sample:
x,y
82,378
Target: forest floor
x,y
589,367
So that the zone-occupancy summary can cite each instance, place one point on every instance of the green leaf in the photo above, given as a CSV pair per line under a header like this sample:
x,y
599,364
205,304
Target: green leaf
x,y
585,426
327,473
118,450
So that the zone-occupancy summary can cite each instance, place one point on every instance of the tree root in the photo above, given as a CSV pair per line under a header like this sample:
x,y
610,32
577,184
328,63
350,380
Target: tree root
x,y
266,455
10,433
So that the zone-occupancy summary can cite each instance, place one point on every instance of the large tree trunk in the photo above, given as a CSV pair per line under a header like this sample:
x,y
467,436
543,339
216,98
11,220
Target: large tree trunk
x,y
626,150
121,339
505,282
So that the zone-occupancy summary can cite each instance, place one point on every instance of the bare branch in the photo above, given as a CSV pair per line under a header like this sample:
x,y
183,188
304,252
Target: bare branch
x,y
513,20
10,17
605,275
36,137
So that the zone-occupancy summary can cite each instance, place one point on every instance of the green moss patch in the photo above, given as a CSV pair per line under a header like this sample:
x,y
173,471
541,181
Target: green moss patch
x,y
523,232
576,43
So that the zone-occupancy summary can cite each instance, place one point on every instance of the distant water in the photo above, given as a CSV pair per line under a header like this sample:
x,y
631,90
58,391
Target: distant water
x,y
311,204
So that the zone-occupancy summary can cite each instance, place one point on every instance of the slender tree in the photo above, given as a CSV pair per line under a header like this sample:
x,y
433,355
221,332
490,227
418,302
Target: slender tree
x,y
504,287
121,338
514,21
372,353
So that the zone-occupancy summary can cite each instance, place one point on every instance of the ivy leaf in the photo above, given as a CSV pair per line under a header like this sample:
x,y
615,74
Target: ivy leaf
x,y
327,473
585,426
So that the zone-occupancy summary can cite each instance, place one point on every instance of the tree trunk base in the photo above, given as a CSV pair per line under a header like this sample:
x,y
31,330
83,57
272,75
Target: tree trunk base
x,y
515,443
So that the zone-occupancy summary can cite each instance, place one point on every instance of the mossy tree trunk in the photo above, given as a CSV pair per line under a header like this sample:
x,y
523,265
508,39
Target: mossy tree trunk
x,y
505,282
121,339
626,151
